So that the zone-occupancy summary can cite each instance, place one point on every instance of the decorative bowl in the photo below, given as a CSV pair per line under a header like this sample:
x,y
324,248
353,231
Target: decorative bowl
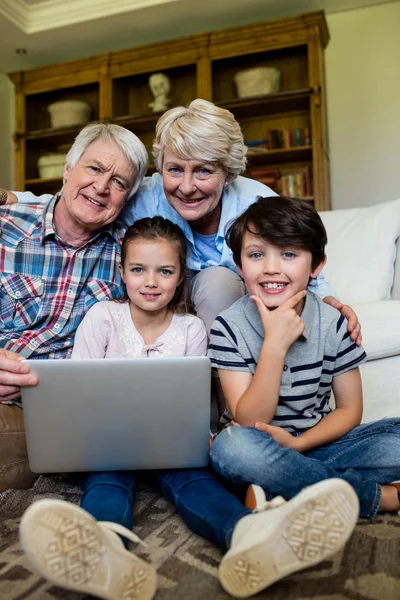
x,y
68,112
51,166
257,81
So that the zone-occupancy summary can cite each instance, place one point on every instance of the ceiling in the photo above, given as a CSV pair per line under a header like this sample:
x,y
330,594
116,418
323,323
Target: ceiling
x,y
40,32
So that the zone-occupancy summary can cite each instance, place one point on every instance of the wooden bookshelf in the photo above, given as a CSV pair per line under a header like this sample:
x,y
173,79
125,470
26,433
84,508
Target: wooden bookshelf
x,y
115,85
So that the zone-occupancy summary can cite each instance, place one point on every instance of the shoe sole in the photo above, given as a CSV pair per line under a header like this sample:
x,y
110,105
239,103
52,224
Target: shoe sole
x,y
66,545
309,528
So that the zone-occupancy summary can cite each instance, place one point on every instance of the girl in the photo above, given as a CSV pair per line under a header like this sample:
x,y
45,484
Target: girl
x,y
152,320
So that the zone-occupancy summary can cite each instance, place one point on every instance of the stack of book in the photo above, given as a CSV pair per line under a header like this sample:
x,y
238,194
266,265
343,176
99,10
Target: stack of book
x,y
269,177
294,181
256,147
288,138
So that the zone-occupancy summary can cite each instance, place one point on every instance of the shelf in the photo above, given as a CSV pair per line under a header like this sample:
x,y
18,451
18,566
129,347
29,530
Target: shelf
x,y
36,182
269,104
138,123
280,155
39,134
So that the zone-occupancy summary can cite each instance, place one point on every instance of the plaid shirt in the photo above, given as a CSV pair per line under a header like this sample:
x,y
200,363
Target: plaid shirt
x,y
47,286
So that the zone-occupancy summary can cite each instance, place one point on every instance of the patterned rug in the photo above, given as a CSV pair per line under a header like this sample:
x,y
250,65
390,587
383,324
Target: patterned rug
x,y
368,568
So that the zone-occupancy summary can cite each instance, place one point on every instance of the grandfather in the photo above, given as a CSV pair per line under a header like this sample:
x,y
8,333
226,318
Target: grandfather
x,y
56,260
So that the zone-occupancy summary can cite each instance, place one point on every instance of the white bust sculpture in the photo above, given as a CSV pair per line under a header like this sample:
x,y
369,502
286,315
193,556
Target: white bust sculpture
x,y
160,86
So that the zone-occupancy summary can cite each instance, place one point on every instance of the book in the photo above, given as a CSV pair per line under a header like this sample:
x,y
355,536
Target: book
x,y
265,172
287,138
287,181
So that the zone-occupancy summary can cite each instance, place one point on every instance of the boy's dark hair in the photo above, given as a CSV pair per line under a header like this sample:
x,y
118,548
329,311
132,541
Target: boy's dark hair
x,y
158,228
282,222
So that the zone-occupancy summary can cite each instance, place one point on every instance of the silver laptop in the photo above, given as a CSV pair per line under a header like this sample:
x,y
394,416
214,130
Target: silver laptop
x,y
118,414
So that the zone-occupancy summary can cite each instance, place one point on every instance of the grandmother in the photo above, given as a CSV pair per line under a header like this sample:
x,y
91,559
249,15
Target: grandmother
x,y
200,155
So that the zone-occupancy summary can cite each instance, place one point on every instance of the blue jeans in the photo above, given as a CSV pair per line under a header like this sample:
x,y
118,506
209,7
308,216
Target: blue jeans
x,y
200,498
365,457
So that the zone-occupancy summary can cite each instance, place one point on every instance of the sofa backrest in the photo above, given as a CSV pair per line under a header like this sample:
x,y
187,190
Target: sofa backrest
x,y
363,252
396,282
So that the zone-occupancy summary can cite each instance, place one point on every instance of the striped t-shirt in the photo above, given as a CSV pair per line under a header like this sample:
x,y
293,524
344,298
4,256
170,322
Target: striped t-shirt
x,y
323,351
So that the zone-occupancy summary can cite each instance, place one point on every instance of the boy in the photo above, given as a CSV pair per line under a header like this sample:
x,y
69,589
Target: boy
x,y
279,352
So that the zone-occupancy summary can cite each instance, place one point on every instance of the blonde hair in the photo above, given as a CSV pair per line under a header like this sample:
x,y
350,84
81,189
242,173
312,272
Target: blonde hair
x,y
201,131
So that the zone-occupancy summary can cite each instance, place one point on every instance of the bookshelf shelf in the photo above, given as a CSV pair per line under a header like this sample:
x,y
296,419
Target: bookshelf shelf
x,y
115,86
280,155
281,102
137,123
39,182
41,134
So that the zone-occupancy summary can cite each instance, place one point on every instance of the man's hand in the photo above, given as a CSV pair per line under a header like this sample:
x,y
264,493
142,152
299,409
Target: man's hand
x,y
14,373
282,326
283,437
353,326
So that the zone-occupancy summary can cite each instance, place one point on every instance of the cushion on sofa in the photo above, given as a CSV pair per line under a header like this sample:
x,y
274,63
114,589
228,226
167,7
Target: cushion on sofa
x,y
380,327
361,251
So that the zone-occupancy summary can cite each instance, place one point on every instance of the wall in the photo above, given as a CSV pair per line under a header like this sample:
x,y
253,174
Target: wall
x,y
363,87
7,120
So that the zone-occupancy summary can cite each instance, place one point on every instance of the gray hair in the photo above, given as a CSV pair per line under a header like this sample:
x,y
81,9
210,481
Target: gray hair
x,y
129,143
201,131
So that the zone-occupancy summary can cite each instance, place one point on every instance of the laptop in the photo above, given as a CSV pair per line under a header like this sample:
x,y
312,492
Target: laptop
x,y
118,414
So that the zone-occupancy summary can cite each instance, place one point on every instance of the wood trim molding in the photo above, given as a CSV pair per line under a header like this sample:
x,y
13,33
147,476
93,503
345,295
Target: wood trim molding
x,y
32,18
15,11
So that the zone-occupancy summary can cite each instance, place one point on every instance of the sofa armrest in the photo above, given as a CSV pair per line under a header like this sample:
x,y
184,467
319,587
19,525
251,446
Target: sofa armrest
x,y
396,279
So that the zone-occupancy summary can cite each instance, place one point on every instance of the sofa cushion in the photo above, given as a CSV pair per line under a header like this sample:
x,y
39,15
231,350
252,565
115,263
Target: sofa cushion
x,y
361,251
380,327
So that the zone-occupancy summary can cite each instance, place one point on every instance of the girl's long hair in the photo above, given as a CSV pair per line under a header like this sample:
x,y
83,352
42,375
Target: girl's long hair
x,y
158,228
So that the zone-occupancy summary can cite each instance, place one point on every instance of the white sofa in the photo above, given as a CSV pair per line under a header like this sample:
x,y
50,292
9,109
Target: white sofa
x,y
364,268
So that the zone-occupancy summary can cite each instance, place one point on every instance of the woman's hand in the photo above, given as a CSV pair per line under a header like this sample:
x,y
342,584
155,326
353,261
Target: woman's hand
x,y
7,197
353,326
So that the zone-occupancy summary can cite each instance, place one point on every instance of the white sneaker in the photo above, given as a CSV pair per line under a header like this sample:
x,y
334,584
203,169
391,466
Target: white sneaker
x,y
293,535
72,550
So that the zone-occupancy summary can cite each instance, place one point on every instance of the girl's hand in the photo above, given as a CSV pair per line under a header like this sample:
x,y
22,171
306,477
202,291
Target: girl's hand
x,y
283,437
282,326
353,326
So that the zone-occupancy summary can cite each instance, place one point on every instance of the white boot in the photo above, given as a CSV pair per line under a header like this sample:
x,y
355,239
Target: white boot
x,y
293,535
72,550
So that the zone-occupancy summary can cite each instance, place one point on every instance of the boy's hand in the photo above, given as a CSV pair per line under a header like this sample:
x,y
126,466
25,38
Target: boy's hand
x,y
282,326
353,326
283,437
